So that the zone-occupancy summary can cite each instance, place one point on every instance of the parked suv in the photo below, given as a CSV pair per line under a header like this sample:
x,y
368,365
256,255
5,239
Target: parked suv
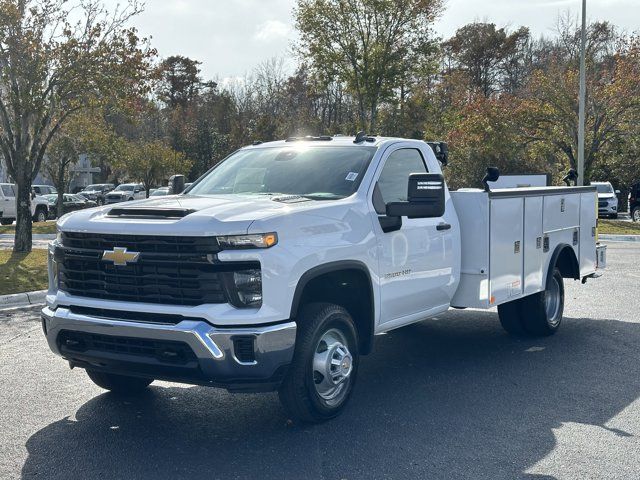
x,y
126,192
634,202
39,205
97,192
607,199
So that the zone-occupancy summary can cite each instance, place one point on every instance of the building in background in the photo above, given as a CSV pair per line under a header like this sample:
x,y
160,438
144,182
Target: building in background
x,y
82,175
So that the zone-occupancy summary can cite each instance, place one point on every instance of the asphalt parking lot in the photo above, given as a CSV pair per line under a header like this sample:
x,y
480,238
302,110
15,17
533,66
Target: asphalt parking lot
x,y
453,397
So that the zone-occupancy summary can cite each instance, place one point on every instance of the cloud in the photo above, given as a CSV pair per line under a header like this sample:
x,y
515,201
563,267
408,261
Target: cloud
x,y
272,30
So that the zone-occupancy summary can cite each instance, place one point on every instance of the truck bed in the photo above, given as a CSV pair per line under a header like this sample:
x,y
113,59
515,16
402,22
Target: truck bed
x,y
509,236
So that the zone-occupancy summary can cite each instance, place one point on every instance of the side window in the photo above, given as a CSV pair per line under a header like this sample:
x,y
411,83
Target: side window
x,y
8,191
393,180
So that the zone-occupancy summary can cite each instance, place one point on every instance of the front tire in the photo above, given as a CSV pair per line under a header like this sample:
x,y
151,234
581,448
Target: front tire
x,y
40,216
635,214
6,221
120,384
322,374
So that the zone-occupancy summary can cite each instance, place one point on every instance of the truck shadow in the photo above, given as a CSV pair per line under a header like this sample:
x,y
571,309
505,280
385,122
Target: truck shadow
x,y
453,397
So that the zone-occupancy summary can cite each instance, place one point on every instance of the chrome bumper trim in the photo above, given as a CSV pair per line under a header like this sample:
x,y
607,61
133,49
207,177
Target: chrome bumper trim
x,y
213,346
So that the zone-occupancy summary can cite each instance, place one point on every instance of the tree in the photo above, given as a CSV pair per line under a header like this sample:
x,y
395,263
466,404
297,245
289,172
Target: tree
x,y
490,56
613,103
151,162
51,69
180,81
369,45
86,133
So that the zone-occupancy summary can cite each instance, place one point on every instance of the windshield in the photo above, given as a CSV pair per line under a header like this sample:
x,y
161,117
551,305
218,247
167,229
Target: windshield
x,y
604,188
124,188
92,187
325,173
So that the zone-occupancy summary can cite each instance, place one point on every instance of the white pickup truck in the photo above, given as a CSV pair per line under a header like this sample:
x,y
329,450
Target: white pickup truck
x,y
39,205
277,268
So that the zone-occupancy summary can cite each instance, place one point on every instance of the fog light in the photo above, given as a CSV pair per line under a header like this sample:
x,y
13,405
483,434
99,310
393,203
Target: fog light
x,y
244,288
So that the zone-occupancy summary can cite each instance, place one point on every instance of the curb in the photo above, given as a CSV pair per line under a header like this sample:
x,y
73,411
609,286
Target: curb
x,y
35,236
17,300
619,238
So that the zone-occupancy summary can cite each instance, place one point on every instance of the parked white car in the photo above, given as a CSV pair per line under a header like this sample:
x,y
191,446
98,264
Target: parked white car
x,y
607,199
39,205
126,192
277,269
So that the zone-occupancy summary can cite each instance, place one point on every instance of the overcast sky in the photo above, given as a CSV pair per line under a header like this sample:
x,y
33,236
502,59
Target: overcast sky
x,y
230,37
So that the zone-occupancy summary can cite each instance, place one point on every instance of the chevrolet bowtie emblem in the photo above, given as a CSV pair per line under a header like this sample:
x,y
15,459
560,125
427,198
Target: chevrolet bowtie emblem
x,y
120,256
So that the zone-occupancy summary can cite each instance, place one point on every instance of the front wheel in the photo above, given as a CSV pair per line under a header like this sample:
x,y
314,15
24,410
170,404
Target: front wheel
x,y
6,221
40,216
635,214
325,362
120,384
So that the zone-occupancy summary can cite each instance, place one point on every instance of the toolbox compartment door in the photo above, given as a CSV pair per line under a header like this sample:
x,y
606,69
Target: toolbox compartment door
x,y
506,249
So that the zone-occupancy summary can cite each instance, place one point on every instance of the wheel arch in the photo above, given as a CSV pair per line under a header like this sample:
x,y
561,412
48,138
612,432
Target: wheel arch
x,y
564,257
346,283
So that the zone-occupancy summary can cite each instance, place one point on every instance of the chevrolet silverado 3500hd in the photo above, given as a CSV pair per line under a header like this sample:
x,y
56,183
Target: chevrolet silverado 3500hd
x,y
277,268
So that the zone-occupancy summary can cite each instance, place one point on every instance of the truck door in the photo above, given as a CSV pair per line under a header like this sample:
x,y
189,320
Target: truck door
x,y
415,260
8,204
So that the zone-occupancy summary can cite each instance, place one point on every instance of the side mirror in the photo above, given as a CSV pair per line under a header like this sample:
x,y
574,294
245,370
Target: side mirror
x,y
176,184
441,151
617,192
425,197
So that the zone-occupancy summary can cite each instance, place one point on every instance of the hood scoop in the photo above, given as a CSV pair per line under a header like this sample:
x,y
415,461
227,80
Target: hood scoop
x,y
157,213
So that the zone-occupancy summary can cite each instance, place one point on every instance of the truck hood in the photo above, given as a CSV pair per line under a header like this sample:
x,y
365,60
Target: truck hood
x,y
203,215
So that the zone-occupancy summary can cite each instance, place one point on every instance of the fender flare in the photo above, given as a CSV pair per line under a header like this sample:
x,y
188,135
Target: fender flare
x,y
329,267
575,266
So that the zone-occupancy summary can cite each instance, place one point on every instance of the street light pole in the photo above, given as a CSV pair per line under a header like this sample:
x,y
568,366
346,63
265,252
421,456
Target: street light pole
x,y
583,89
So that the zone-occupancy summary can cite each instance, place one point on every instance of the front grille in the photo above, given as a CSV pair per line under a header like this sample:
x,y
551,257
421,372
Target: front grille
x,y
602,204
169,270
165,351
142,243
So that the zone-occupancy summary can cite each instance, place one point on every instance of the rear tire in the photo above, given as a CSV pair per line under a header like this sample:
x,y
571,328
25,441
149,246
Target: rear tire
x,y
6,221
120,384
537,315
635,214
542,312
510,315
324,366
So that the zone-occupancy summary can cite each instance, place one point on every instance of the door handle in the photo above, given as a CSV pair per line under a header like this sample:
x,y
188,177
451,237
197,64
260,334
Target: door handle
x,y
443,226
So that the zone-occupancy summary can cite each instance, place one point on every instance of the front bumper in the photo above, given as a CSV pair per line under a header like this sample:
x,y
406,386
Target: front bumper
x,y
215,359
608,210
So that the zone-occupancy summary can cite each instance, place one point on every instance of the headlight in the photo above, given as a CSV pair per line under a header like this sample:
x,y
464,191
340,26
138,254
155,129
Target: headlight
x,y
258,240
244,288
